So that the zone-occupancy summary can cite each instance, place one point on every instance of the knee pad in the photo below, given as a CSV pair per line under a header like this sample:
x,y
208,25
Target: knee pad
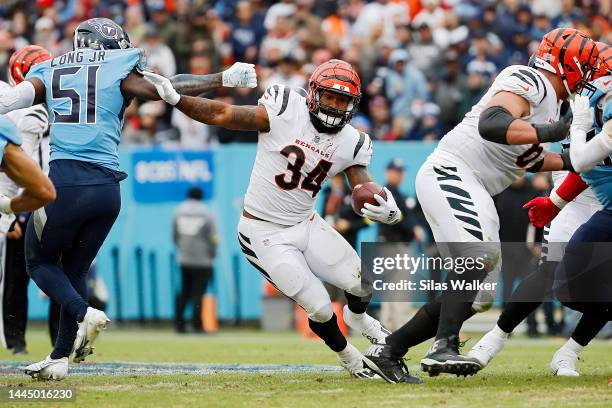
x,y
288,278
320,313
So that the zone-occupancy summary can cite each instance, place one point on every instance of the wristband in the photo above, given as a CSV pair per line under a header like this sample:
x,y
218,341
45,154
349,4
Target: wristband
x,y
553,132
556,200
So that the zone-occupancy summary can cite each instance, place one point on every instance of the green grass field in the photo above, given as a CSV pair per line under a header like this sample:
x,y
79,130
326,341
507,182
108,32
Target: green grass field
x,y
518,377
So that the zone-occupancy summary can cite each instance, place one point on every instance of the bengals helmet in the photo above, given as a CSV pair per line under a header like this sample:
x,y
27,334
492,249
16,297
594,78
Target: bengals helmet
x,y
605,59
571,54
23,59
333,76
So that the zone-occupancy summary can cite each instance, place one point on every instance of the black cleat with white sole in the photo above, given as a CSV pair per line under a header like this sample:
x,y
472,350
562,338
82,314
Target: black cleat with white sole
x,y
380,359
444,357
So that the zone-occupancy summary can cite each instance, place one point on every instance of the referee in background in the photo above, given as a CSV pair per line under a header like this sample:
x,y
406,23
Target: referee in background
x,y
195,236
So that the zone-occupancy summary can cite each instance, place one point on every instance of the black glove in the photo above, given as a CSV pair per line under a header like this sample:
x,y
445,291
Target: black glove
x,y
554,132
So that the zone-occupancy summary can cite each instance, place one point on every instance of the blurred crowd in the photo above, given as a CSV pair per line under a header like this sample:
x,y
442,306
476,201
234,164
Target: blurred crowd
x,y
423,63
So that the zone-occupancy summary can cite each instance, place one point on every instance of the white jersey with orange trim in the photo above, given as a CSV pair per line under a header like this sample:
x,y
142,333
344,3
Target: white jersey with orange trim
x,y
294,159
498,165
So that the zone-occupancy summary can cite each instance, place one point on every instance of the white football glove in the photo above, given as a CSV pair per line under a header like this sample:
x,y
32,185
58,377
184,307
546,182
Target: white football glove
x,y
5,205
164,87
386,212
240,75
582,114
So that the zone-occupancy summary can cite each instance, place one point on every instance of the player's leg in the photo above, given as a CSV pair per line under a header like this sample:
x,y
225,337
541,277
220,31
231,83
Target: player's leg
x,y
54,317
535,287
64,228
15,282
459,210
583,281
446,228
49,231
103,203
276,252
331,258
564,360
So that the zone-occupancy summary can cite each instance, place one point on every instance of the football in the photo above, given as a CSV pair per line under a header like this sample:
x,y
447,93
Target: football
x,y
364,193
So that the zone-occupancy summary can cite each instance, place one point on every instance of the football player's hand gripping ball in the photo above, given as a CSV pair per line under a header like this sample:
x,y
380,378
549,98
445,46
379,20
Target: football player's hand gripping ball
x,y
386,211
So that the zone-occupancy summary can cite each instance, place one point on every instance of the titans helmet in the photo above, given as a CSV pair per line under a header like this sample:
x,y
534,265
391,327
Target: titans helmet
x,y
100,34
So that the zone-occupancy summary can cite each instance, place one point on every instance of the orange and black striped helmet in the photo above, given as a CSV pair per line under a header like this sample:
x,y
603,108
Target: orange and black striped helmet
x,y
333,76
25,58
605,59
571,54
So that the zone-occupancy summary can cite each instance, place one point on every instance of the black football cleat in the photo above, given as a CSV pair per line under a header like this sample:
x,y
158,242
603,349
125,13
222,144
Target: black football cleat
x,y
444,357
380,359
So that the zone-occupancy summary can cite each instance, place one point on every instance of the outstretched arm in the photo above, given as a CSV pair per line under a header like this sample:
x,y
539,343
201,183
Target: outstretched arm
x,y
38,190
225,115
238,75
23,95
209,111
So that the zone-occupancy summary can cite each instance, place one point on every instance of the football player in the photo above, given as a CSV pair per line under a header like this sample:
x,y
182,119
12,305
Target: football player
x,y
33,124
572,213
496,142
303,141
86,92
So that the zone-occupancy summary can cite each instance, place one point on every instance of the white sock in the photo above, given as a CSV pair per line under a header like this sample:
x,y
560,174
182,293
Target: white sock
x,y
355,316
343,354
499,332
573,346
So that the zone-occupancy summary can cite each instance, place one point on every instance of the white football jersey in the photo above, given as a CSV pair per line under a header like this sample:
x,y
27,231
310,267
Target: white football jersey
x,y
33,123
294,159
498,165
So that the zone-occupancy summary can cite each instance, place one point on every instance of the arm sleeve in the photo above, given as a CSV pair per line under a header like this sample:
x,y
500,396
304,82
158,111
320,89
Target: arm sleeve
x,y
571,187
362,154
585,155
18,97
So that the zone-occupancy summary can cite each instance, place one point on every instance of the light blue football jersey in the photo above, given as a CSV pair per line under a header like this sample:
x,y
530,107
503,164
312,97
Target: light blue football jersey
x,y
85,104
8,134
599,178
